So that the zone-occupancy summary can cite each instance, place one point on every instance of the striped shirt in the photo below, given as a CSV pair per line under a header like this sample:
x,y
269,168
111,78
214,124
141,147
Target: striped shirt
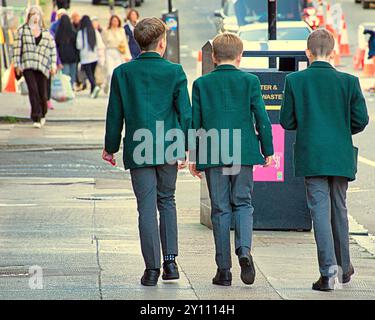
x,y
41,57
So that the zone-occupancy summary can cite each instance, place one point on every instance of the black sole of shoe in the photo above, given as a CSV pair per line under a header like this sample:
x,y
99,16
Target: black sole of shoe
x,y
148,283
167,278
223,283
247,270
323,289
347,279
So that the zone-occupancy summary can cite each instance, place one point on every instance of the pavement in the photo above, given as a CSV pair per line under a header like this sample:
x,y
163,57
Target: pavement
x,y
72,217
83,233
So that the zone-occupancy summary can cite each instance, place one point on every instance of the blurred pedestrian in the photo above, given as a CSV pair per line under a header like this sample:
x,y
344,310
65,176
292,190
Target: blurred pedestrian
x,y
117,49
88,43
52,31
66,39
132,19
53,17
96,24
35,58
371,51
62,4
76,20
100,71
55,25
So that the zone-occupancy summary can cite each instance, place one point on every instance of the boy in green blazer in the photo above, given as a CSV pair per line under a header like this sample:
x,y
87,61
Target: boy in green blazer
x,y
228,104
326,107
149,94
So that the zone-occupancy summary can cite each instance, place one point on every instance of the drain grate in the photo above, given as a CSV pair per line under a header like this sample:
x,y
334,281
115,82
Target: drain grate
x,y
23,271
14,271
106,197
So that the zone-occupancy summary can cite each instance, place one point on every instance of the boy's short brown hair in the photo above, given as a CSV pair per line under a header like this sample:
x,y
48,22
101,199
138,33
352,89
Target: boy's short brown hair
x,y
321,43
227,46
148,32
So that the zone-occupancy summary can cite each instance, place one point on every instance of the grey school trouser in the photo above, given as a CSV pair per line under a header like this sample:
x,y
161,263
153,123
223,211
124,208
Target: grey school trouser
x,y
326,199
154,188
230,194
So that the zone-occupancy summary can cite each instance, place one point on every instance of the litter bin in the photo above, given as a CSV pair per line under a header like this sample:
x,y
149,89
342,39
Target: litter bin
x,y
279,198
173,36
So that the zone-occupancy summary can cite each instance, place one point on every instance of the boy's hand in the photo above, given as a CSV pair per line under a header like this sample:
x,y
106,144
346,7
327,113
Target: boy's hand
x,y
194,172
109,157
268,162
182,164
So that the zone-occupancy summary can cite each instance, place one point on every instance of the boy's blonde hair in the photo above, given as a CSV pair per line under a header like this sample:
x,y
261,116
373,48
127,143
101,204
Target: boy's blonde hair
x,y
227,46
321,43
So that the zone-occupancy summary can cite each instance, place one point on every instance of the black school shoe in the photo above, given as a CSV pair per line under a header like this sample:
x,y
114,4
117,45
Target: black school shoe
x,y
247,265
346,277
223,277
150,277
324,284
170,271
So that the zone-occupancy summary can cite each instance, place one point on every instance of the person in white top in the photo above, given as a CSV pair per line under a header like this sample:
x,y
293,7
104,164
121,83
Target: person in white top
x,y
117,48
89,43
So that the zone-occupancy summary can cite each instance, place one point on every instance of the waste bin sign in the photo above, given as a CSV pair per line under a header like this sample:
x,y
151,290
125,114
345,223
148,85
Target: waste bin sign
x,y
172,52
279,198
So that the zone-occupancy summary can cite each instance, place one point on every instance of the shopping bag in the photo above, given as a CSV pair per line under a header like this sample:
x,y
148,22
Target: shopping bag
x,y
61,89
22,87
66,83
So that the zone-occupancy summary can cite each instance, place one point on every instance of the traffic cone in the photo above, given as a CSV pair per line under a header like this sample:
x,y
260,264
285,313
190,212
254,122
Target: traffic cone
x,y
344,40
11,84
358,59
199,63
368,66
336,49
320,14
329,19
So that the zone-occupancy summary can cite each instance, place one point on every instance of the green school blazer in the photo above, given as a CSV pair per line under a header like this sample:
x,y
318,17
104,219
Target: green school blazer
x,y
326,107
150,96
228,98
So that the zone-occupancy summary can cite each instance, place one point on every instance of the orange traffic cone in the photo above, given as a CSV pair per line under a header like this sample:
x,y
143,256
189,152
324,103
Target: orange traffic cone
x,y
358,59
368,66
329,19
344,41
11,84
199,63
336,49
320,14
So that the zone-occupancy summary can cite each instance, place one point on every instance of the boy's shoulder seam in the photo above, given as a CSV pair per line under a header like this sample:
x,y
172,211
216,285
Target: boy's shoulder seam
x,y
250,75
241,74
296,73
346,74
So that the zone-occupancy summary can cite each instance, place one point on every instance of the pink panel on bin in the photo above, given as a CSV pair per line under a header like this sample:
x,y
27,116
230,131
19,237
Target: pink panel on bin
x,y
275,172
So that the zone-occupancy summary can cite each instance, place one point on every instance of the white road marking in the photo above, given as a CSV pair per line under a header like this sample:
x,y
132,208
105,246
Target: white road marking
x,y
366,161
17,204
